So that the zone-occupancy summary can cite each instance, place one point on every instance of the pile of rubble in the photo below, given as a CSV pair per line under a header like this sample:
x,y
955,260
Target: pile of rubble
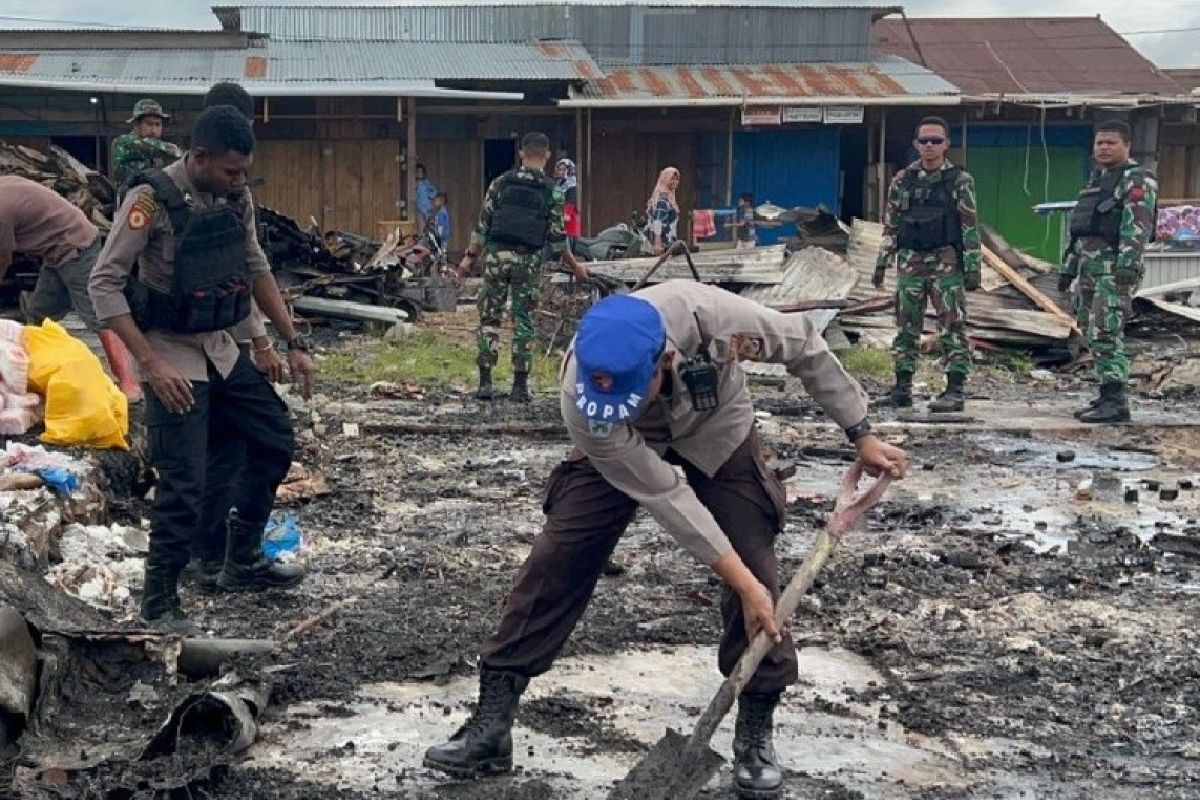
x,y
65,174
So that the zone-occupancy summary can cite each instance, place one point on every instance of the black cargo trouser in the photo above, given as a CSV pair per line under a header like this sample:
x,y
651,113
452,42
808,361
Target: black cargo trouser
x,y
586,516
226,460
241,411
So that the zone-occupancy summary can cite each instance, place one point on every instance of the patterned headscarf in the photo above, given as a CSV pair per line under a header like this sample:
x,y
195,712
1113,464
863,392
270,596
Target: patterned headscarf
x,y
663,188
567,181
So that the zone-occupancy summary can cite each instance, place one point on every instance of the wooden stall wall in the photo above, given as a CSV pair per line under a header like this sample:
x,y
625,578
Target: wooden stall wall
x,y
456,167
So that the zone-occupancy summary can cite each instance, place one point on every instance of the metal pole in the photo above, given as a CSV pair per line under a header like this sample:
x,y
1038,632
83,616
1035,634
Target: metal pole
x,y
964,137
588,207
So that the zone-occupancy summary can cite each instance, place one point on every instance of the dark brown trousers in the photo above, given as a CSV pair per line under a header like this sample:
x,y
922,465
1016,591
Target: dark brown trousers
x,y
586,516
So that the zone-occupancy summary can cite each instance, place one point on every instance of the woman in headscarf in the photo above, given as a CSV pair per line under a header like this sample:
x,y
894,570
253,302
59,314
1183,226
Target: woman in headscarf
x,y
564,172
662,210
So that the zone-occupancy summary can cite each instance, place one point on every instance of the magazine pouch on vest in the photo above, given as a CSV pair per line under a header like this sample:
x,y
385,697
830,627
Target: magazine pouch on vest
x,y
929,219
210,286
522,215
1098,211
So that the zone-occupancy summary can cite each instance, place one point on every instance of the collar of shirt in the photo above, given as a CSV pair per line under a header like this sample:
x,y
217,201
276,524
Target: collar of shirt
x,y
923,173
178,172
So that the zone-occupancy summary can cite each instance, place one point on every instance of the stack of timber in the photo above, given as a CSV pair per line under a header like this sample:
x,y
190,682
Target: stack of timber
x,y
62,172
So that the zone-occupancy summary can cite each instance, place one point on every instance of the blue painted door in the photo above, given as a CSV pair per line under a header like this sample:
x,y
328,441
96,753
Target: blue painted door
x,y
788,168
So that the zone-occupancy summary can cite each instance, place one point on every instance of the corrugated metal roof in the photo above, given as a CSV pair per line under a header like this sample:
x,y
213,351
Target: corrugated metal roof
x,y
281,63
1188,79
885,77
615,33
1026,56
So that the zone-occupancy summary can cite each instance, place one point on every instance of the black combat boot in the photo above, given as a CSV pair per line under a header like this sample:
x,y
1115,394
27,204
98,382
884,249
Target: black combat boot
x,y
160,601
756,773
520,389
1091,404
483,745
1113,406
485,384
208,572
246,566
902,392
953,398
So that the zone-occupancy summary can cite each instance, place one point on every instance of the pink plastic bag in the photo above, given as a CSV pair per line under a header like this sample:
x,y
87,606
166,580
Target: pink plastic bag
x,y
14,368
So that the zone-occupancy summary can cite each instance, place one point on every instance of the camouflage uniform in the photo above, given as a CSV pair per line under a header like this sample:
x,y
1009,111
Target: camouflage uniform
x,y
133,154
506,269
936,275
1107,277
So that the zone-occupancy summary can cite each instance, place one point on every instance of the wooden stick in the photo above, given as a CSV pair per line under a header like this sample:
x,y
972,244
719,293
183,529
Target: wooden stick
x,y
1026,288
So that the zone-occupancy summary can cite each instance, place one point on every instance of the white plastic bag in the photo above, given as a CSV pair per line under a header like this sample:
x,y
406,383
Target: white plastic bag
x,y
12,331
14,368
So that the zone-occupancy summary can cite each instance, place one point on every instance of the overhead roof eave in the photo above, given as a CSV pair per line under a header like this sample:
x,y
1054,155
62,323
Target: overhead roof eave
x,y
710,102
1063,100
268,88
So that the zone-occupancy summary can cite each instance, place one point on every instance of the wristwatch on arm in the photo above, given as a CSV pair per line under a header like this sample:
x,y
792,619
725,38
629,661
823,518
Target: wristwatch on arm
x,y
300,342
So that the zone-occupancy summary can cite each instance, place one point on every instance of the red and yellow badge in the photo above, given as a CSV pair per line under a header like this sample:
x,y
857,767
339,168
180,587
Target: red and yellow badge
x,y
1137,194
142,211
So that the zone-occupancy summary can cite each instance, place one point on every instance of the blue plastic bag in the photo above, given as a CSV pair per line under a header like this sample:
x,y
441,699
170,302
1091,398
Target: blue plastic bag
x,y
61,480
282,536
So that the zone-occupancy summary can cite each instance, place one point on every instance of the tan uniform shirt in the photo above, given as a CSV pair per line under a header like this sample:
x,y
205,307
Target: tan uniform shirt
x,y
37,221
629,455
142,233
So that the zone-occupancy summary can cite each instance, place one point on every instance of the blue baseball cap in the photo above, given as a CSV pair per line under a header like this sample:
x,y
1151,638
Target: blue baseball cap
x,y
617,349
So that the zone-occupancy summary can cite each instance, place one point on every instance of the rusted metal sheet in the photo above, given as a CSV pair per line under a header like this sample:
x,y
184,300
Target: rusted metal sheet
x,y
1025,55
256,67
16,62
884,77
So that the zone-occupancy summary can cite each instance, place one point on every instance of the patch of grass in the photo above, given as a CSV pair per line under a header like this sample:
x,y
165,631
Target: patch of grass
x,y
865,362
426,358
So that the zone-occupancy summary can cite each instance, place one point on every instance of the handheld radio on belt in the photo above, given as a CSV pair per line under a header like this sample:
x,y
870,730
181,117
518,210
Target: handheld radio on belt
x,y
699,374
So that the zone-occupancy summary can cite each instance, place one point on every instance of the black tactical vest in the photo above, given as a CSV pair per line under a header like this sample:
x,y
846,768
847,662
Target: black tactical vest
x,y
210,285
929,217
521,218
1098,211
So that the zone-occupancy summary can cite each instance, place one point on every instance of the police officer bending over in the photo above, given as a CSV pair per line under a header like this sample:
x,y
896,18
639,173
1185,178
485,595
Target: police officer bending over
x,y
522,214
178,270
651,383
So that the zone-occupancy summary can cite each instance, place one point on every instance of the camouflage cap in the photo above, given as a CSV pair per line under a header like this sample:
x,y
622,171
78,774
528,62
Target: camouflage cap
x,y
147,108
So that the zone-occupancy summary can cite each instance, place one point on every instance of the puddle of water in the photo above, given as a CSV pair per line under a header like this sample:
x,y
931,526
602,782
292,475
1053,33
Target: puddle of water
x,y
1045,453
394,723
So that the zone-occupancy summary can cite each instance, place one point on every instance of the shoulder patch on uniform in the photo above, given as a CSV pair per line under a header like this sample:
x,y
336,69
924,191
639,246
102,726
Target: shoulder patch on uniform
x,y
748,346
147,202
599,428
1137,194
137,218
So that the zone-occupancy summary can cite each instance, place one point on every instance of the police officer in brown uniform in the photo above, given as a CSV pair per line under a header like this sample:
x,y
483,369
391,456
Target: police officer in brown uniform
x,y
178,270
652,382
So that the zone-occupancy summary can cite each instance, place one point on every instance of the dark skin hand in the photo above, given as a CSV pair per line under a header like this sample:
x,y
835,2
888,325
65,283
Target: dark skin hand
x,y
168,383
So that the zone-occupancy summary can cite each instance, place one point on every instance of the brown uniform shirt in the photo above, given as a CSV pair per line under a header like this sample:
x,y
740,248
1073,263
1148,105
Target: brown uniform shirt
x,y
39,222
142,233
629,455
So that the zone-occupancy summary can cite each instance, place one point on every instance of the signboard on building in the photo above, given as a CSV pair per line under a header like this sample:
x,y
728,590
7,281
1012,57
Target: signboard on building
x,y
802,114
843,115
761,115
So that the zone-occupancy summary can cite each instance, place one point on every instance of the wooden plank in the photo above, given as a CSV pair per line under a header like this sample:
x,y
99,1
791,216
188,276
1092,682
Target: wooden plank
x,y
625,167
380,185
1026,288
456,167
291,173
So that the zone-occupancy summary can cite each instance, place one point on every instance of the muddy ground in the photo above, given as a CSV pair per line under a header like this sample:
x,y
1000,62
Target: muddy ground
x,y
1000,628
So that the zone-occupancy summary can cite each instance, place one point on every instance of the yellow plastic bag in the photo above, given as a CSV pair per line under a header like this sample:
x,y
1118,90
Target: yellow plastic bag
x,y
84,408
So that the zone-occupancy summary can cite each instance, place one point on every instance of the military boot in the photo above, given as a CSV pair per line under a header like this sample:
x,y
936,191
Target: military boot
x,y
520,388
756,773
247,568
953,398
1112,406
901,396
160,601
1091,404
483,745
485,384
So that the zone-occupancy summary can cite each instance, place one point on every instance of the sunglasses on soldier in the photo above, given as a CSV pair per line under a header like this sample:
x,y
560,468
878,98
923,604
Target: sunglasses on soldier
x,y
931,139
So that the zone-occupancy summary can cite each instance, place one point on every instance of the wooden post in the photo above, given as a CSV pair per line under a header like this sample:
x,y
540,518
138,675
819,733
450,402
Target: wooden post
x,y
729,159
410,164
580,179
588,207
882,166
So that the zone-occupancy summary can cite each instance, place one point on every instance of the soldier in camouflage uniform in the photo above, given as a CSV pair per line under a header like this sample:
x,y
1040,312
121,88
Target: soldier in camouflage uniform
x,y
143,147
1110,226
522,213
930,229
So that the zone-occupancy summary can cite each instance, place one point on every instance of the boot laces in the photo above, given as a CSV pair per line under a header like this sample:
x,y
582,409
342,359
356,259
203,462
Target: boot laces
x,y
758,724
494,698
